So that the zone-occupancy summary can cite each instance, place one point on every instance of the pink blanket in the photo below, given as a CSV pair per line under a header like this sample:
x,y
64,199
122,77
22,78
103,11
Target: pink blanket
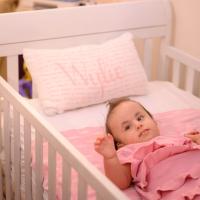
x,y
167,167
173,123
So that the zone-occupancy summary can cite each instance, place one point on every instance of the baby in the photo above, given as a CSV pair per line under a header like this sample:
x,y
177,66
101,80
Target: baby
x,y
128,122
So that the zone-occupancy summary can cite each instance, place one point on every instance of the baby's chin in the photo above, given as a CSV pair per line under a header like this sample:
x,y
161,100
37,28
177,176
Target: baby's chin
x,y
149,137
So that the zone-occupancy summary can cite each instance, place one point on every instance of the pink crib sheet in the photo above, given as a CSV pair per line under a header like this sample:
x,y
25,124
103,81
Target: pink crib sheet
x,y
176,122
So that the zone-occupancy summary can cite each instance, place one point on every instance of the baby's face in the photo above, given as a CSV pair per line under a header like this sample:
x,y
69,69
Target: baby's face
x,y
130,123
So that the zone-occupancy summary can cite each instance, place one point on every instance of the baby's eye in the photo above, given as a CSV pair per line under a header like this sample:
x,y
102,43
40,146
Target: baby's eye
x,y
127,127
140,117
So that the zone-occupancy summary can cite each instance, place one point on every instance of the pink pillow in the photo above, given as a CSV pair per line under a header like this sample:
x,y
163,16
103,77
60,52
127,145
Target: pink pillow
x,y
84,75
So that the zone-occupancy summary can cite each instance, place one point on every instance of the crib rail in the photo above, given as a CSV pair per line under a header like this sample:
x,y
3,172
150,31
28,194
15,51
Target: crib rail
x,y
191,65
12,102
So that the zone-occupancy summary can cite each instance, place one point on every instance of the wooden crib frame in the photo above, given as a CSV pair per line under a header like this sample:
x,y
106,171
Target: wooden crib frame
x,y
65,27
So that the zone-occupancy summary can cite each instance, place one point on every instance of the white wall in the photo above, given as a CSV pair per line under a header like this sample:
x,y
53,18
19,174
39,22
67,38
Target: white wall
x,y
187,25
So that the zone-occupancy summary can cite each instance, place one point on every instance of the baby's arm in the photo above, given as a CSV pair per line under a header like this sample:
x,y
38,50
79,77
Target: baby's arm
x,y
194,136
114,170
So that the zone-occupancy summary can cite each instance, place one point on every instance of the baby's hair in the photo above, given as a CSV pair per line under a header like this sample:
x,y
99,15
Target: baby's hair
x,y
112,105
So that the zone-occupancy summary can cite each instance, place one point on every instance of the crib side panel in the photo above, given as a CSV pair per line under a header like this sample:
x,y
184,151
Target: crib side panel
x,y
57,145
94,24
76,21
186,65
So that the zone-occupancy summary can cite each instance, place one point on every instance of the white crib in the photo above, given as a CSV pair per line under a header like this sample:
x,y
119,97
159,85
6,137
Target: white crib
x,y
65,27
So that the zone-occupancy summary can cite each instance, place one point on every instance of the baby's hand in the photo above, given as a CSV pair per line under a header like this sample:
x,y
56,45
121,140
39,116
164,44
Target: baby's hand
x,y
194,136
105,146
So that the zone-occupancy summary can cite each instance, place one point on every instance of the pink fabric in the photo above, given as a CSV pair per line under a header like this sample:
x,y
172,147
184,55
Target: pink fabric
x,y
178,122
170,123
166,167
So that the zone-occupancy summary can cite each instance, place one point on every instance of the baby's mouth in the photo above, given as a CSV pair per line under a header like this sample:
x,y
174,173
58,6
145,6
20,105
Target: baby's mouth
x,y
144,132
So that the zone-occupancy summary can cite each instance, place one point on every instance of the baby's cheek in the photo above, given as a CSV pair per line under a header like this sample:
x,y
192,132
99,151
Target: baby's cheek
x,y
133,139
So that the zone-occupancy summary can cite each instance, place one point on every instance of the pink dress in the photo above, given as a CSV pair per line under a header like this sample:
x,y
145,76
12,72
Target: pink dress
x,y
164,168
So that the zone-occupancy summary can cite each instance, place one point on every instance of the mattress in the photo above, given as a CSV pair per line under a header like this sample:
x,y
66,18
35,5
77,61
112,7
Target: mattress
x,y
162,96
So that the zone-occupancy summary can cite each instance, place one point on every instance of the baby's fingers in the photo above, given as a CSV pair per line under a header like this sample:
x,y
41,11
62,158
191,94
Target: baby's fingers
x,y
193,133
190,136
99,140
194,136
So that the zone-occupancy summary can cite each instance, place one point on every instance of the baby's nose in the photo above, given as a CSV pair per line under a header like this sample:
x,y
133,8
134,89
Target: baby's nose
x,y
138,125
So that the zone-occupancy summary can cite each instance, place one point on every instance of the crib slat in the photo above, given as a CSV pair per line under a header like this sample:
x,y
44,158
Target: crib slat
x,y
27,159
148,47
1,148
66,180
1,183
51,173
17,155
7,139
164,62
12,71
189,79
1,123
82,188
98,196
38,165
1,179
176,70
